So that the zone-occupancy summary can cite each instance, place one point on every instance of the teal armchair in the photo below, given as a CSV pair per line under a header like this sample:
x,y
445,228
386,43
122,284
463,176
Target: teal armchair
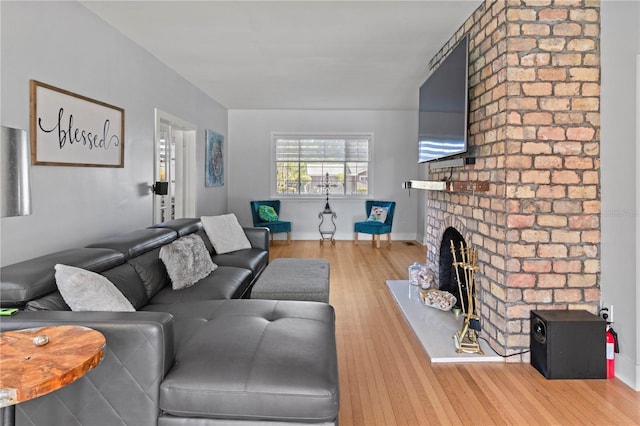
x,y
375,227
275,226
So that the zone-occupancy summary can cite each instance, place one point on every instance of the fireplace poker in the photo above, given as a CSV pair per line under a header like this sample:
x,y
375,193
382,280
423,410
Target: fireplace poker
x,y
455,266
466,339
474,319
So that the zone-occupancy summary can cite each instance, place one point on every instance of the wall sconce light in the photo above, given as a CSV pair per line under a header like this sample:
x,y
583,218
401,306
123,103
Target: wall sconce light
x,y
160,188
15,181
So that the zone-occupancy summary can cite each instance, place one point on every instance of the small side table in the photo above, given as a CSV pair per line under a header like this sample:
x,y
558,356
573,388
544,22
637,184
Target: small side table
x,y
327,230
28,371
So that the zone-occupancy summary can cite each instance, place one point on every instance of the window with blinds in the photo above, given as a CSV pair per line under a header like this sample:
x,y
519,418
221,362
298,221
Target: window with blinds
x,y
303,162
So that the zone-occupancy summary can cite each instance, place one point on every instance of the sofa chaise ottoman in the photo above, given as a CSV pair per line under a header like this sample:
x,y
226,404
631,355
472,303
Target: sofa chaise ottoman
x,y
203,355
294,279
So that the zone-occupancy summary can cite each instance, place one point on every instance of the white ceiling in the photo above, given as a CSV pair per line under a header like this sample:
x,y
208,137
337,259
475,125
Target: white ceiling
x,y
294,54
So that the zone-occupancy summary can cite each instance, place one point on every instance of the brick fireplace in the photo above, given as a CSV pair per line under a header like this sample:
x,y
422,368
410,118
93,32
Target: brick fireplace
x,y
534,129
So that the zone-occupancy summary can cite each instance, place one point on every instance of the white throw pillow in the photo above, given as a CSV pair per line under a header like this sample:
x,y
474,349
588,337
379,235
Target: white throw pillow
x,y
187,261
225,233
378,214
84,290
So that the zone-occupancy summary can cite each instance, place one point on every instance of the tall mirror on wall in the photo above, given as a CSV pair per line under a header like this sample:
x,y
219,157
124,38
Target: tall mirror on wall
x,y
175,167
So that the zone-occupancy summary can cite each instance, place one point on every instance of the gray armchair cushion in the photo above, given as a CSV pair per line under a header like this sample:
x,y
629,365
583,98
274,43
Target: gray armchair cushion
x,y
124,388
24,281
166,420
51,302
124,277
255,360
129,283
137,242
151,271
225,282
253,259
183,226
259,237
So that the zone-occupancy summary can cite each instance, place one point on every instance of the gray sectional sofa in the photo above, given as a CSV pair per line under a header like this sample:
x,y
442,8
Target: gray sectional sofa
x,y
204,355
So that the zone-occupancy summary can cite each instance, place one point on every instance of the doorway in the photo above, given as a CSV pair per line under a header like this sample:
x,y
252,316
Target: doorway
x,y
175,163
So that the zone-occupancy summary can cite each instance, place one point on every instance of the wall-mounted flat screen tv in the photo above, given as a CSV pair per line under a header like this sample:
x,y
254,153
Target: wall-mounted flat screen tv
x,y
443,109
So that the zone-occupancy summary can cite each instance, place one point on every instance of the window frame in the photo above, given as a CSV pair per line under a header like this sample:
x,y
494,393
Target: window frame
x,y
286,135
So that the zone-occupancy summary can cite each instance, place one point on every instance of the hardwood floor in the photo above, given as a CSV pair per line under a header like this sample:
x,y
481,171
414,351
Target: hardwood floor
x,y
386,377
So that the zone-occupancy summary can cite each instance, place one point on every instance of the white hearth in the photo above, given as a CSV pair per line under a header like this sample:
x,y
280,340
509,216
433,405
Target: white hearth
x,y
435,328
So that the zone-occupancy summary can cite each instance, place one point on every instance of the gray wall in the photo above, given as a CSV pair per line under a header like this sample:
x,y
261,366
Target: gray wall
x,y
395,151
65,45
620,112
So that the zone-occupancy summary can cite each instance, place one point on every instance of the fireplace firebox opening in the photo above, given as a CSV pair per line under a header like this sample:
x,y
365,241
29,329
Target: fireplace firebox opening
x,y
448,279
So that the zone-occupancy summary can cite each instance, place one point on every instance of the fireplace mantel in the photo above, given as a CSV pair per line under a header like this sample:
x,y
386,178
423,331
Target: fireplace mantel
x,y
440,185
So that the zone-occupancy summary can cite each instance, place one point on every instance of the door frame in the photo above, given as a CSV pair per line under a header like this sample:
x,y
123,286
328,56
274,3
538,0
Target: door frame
x,y
185,168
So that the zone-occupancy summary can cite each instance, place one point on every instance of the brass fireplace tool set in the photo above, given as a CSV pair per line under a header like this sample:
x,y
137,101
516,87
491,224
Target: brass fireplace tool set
x,y
466,339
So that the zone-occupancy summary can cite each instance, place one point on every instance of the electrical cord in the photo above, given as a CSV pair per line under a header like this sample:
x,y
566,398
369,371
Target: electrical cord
x,y
503,356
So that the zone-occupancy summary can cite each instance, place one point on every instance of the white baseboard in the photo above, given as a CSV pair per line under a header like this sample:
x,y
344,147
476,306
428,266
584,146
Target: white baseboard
x,y
343,236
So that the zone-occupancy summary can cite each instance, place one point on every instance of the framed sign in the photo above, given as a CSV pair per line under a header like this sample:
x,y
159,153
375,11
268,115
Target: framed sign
x,y
72,130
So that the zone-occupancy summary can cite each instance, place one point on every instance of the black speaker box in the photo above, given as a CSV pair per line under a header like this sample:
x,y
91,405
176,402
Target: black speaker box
x,y
568,344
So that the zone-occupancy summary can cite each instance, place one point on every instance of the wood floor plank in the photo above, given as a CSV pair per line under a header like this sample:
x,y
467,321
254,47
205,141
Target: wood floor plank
x,y
500,398
387,379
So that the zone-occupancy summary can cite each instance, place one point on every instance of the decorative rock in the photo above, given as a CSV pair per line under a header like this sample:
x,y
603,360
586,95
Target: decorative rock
x,y
41,340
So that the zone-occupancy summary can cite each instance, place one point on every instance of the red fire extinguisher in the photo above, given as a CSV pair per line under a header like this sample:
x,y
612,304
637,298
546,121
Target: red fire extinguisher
x,y
612,349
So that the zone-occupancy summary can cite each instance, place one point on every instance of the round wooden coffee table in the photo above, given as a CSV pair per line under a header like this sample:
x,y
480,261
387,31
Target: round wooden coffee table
x,y
28,371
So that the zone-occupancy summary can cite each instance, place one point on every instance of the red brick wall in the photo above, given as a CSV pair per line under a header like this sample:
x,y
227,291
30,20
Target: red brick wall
x,y
534,130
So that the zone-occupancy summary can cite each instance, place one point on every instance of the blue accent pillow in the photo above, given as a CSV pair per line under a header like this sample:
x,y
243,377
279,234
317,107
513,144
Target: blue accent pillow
x,y
267,213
